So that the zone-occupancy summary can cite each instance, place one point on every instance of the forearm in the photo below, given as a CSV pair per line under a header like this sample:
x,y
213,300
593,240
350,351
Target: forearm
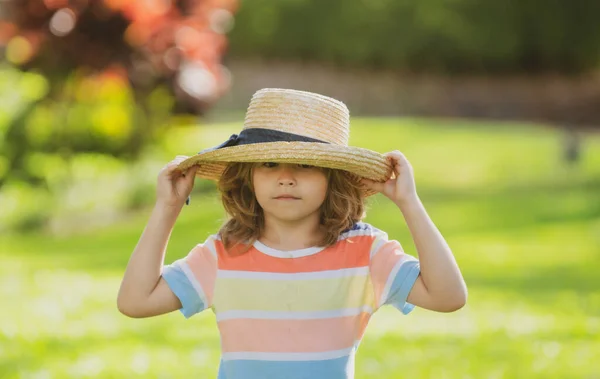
x,y
439,270
144,268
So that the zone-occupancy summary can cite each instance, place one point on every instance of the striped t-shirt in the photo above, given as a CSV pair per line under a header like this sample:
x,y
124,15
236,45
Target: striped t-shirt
x,y
294,314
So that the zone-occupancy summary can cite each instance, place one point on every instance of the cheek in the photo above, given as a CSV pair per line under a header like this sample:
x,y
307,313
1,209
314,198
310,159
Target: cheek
x,y
258,186
319,188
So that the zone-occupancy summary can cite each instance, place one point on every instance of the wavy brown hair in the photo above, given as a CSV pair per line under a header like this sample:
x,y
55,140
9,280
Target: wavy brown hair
x,y
344,205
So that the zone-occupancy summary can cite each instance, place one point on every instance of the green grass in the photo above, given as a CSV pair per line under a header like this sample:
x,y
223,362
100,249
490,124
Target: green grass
x,y
525,229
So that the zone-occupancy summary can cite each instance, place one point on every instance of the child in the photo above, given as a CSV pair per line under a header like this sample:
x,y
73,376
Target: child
x,y
293,276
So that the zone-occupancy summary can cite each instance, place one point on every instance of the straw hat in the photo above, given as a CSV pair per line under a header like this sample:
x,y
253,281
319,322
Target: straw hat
x,y
290,126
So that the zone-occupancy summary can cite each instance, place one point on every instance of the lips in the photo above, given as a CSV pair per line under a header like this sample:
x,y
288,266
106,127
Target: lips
x,y
286,197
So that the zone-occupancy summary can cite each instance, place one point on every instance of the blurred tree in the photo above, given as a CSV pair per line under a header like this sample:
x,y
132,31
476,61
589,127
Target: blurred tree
x,y
110,66
532,42
448,37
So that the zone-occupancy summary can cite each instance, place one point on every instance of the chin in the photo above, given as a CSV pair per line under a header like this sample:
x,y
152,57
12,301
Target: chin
x,y
290,216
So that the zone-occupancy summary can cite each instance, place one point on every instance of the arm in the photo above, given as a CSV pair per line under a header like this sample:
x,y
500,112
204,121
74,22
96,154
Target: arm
x,y
143,293
440,286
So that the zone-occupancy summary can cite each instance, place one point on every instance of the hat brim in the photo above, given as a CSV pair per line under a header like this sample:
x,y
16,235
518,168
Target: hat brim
x,y
359,161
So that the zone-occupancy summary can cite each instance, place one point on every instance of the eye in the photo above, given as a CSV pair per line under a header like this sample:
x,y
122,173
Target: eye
x,y
305,166
270,164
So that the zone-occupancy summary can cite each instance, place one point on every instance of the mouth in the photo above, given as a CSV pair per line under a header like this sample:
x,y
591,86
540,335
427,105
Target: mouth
x,y
286,197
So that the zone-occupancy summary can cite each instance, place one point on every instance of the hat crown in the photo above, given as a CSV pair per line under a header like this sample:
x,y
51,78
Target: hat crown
x,y
298,112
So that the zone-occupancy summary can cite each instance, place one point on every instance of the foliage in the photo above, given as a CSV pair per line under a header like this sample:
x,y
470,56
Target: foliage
x,y
152,41
458,36
103,76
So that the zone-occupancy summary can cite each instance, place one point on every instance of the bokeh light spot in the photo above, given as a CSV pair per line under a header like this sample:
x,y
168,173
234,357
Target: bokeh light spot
x,y
63,22
34,86
197,81
221,21
19,50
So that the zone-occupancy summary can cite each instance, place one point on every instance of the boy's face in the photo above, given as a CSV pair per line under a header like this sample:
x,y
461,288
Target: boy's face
x,y
289,192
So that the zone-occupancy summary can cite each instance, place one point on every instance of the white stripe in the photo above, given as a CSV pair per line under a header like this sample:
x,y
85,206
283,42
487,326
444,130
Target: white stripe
x,y
210,244
377,244
287,315
286,254
355,271
288,356
390,280
190,275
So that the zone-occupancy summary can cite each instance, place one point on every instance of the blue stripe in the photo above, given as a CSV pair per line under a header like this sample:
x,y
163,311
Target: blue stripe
x,y
183,289
362,226
339,368
401,286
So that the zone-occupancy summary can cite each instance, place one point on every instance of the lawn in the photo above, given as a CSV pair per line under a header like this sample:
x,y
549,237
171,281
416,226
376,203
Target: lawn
x,y
524,226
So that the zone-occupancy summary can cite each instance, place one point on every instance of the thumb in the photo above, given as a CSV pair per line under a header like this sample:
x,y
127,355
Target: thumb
x,y
190,174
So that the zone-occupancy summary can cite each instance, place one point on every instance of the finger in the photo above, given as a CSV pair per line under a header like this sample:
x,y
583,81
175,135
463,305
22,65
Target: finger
x,y
396,153
391,157
395,164
190,174
372,185
168,168
396,156
397,160
177,161
173,165
179,158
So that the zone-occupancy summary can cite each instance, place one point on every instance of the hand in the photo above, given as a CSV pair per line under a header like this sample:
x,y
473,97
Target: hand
x,y
400,188
174,186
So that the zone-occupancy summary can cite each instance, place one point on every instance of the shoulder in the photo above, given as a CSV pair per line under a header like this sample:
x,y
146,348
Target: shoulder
x,y
365,237
207,248
362,236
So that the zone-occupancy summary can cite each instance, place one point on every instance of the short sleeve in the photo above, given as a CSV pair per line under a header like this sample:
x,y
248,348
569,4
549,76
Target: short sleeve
x,y
393,272
192,278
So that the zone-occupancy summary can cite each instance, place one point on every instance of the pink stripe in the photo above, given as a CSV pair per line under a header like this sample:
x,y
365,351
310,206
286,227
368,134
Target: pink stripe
x,y
355,253
382,264
204,267
291,336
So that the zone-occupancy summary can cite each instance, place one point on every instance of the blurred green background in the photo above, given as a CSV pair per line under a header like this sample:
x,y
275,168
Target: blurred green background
x,y
496,105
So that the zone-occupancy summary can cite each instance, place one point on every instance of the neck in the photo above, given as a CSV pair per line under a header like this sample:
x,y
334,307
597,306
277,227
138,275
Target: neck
x,y
283,235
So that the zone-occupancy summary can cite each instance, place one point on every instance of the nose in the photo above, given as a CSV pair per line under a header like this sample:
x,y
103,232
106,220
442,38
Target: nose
x,y
286,176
